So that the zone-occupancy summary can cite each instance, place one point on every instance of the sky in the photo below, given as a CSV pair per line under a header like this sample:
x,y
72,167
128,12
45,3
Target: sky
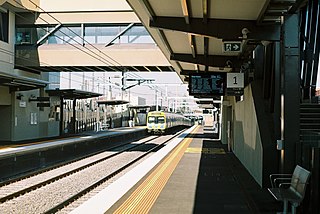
x,y
164,84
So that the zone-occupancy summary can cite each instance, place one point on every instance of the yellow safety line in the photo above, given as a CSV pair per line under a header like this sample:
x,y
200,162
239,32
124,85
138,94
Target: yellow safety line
x,y
142,199
36,143
205,150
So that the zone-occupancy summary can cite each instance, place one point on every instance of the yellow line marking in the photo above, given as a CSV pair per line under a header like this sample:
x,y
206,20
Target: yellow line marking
x,y
37,142
142,199
215,151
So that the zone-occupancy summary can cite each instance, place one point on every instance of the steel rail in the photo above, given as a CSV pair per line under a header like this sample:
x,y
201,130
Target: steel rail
x,y
55,178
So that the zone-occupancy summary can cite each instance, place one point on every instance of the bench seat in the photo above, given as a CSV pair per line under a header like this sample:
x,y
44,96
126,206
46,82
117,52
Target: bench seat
x,y
294,193
285,194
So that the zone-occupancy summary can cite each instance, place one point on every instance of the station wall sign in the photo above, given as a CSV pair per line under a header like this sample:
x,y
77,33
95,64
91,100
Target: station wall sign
x,y
235,84
22,104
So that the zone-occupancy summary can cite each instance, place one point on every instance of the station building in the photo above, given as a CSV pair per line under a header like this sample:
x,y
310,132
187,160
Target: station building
x,y
265,127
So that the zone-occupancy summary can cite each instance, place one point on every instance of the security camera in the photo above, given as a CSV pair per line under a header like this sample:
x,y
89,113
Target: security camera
x,y
245,32
228,63
244,67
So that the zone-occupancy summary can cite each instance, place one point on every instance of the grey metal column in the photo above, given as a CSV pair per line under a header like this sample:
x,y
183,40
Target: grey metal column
x,y
277,91
61,122
290,97
74,116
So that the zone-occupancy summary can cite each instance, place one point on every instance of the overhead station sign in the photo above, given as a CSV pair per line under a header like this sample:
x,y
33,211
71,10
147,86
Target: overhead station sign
x,y
232,47
211,84
207,84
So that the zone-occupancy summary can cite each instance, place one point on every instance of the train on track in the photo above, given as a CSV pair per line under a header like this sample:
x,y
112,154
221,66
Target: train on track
x,y
159,122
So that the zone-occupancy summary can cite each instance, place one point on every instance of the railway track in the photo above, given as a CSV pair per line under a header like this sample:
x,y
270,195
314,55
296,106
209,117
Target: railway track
x,y
50,191
47,168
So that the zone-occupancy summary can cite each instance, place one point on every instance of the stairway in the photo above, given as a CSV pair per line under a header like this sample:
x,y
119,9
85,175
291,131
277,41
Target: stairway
x,y
309,122
310,117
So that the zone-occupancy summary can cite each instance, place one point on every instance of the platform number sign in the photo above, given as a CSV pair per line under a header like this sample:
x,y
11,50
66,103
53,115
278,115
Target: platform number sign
x,y
235,84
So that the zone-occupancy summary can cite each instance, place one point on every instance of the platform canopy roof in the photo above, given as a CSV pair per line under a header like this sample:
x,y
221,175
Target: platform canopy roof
x,y
20,83
140,107
212,35
72,93
112,102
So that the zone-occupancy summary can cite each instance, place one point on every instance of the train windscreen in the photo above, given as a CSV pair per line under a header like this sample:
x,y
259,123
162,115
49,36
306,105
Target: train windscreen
x,y
152,119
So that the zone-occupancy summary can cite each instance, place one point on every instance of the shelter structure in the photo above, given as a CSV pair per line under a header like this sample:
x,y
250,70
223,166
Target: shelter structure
x,y
74,95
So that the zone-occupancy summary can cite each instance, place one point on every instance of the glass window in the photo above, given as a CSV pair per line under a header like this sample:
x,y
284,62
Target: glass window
x,y
104,34
41,32
4,26
28,35
101,34
66,35
138,34
94,34
160,120
151,119
23,37
90,35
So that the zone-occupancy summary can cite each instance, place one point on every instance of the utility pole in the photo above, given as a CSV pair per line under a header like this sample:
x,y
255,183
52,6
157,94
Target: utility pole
x,y
167,98
92,81
69,79
161,99
110,90
123,86
104,84
156,99
83,81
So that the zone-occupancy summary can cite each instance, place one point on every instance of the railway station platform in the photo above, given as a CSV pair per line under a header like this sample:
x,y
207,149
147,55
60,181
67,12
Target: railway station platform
x,y
198,175
20,147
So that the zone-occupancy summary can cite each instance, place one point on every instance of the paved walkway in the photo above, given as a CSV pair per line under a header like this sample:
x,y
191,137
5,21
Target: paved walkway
x,y
209,179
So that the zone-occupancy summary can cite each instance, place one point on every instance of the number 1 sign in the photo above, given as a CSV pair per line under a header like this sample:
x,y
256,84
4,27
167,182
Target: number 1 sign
x,y
235,80
235,84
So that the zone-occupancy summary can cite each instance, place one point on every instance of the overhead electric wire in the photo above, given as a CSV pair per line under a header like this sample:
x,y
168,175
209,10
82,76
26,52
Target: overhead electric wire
x,y
49,14
57,37
61,75
45,29
37,6
98,57
34,69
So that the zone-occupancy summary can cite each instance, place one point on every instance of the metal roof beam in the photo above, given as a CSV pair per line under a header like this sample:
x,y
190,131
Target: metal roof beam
x,y
205,7
119,34
210,60
187,72
185,10
48,34
278,9
192,44
216,28
206,50
298,4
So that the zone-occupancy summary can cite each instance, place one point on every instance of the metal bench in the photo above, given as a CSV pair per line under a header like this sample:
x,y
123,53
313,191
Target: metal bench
x,y
290,187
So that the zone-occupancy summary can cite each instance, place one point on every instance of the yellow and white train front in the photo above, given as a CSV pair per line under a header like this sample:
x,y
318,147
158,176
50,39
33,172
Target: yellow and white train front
x,y
156,122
